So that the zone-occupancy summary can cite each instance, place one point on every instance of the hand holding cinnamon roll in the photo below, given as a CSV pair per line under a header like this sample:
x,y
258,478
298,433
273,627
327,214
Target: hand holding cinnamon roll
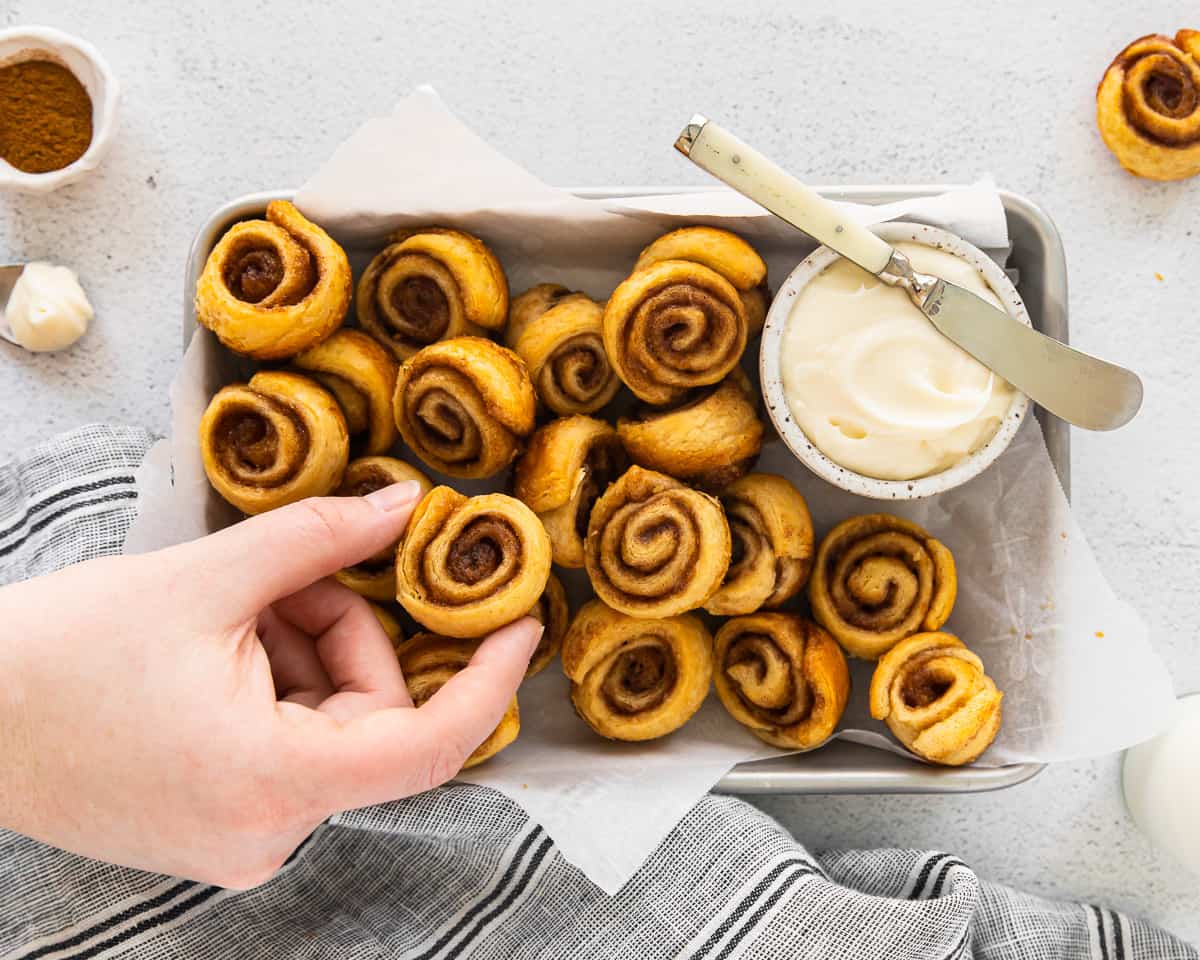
x,y
636,679
936,698
362,376
274,287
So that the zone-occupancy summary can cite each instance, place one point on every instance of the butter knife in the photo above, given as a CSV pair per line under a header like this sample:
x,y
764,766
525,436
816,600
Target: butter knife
x,y
1079,388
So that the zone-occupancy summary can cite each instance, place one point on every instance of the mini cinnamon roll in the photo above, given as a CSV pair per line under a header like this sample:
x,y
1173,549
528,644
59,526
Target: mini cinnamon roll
x,y
728,254
273,441
772,545
878,579
468,565
568,464
464,406
428,661
636,679
1148,106
274,287
362,376
428,285
674,326
781,676
559,336
936,698
375,577
708,441
552,612
655,548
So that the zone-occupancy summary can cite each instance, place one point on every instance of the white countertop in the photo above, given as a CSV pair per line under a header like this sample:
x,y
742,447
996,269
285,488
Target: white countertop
x,y
225,98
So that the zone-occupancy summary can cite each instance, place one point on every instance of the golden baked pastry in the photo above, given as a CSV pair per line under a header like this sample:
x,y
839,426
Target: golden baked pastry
x,y
878,579
362,376
936,698
428,285
636,679
272,441
719,250
674,326
783,677
772,545
552,612
713,438
391,626
464,406
654,547
375,577
468,565
1148,106
558,335
274,287
428,661
569,462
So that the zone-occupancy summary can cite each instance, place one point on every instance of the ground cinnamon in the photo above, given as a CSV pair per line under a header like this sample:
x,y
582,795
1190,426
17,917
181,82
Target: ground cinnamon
x,y
45,116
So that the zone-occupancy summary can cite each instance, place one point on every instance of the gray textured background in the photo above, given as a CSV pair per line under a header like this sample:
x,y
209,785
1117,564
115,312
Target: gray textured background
x,y
225,98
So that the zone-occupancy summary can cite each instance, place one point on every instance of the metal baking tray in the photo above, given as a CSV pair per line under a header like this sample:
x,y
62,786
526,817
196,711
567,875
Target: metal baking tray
x,y
841,766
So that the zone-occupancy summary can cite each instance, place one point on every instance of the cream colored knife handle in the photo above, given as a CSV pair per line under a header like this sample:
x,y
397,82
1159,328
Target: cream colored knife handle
x,y
718,151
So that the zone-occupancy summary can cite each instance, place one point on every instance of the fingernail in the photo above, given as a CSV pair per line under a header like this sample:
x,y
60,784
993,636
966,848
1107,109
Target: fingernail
x,y
536,636
395,497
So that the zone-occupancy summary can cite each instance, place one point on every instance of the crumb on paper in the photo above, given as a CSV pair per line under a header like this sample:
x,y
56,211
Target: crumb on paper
x,y
1063,534
1158,276
1028,635
1099,634
524,786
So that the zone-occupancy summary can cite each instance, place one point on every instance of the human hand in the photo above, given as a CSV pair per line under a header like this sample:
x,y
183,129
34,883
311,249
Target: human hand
x,y
198,711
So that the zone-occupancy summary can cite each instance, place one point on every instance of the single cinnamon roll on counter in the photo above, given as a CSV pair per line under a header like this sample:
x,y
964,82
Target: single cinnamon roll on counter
x,y
273,441
375,577
362,376
468,565
781,676
656,548
708,441
1148,106
559,336
568,464
552,612
719,250
674,326
428,661
878,579
274,287
772,551
464,406
936,698
428,285
636,679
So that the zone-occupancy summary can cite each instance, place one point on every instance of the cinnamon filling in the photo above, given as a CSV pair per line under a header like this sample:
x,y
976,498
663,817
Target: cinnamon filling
x,y
770,686
924,686
424,307
580,367
254,275
250,449
479,550
604,462
640,678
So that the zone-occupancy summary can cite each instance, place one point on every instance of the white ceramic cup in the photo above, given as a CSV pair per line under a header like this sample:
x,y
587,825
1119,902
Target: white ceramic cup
x,y
83,60
797,440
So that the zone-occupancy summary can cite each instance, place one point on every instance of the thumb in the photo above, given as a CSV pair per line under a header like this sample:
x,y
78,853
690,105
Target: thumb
x,y
274,554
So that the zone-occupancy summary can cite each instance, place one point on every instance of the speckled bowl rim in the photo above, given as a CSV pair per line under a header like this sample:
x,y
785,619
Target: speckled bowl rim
x,y
797,440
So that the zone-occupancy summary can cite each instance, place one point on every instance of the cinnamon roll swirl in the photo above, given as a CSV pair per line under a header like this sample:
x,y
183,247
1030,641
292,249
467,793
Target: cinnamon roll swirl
x,y
636,679
274,287
772,545
936,698
559,336
375,577
468,565
552,612
878,579
708,441
1148,106
428,661
673,326
272,441
568,464
781,676
428,285
655,548
728,254
362,376
464,406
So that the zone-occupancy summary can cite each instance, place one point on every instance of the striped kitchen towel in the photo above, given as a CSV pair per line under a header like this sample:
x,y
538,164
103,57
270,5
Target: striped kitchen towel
x,y
462,872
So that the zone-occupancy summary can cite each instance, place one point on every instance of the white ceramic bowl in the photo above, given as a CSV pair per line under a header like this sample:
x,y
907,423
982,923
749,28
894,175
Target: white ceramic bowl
x,y
797,440
83,60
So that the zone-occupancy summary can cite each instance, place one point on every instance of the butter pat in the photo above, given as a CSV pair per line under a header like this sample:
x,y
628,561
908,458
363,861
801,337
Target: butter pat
x,y
873,384
47,309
